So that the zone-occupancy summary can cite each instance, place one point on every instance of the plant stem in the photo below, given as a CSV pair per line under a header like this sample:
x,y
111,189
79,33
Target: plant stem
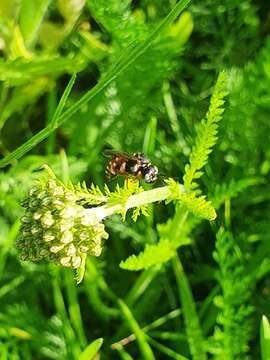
x,y
137,200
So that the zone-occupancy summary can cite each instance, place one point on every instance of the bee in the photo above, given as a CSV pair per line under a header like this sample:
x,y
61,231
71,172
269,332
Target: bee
x,y
136,165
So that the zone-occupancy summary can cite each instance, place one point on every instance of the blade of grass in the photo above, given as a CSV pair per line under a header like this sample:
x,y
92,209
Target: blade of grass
x,y
91,351
30,18
63,101
62,313
4,352
11,285
141,284
165,350
8,243
44,133
95,285
52,119
156,323
51,107
168,336
150,137
145,349
265,338
193,329
123,63
123,354
74,307
173,118
163,319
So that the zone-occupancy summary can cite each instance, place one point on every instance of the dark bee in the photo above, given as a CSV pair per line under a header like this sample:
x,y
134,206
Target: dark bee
x,y
136,165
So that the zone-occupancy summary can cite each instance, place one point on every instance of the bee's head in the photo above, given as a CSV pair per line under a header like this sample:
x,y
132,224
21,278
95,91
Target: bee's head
x,y
151,174
144,161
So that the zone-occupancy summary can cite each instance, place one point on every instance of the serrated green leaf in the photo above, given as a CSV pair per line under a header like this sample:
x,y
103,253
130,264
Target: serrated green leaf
x,y
206,133
152,255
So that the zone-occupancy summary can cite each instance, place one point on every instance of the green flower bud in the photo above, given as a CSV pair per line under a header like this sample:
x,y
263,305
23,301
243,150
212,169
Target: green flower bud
x,y
55,228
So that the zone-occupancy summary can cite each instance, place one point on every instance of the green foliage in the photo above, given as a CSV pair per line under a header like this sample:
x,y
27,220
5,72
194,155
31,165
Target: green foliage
x,y
193,329
206,133
265,338
231,190
91,351
197,205
234,321
30,18
145,349
152,255
88,195
121,195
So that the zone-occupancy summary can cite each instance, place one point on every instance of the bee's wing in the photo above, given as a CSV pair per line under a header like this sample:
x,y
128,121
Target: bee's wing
x,y
112,152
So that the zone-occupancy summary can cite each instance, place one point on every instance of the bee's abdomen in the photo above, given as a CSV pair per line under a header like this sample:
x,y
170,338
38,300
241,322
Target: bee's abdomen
x,y
117,166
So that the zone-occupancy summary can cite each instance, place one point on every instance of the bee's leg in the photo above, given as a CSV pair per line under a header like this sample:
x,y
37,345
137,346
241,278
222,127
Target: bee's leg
x,y
138,175
110,177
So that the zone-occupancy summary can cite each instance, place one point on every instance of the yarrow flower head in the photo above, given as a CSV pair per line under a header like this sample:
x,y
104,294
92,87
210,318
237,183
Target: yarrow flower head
x,y
56,228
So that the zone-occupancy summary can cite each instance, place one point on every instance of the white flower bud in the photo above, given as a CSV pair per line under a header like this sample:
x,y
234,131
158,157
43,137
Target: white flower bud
x,y
35,230
89,217
68,212
47,219
71,250
84,248
65,225
48,237
37,215
67,237
65,261
58,204
83,235
46,201
26,219
56,248
41,195
76,261
32,191
70,196
51,184
58,191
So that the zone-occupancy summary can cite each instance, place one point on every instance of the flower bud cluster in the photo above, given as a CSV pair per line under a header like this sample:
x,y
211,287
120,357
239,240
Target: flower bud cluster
x,y
54,227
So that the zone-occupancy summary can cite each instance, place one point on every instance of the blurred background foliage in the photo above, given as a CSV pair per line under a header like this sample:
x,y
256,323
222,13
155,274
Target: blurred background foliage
x,y
154,107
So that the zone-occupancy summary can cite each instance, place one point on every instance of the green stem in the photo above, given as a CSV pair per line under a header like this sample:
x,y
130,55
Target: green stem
x,y
137,200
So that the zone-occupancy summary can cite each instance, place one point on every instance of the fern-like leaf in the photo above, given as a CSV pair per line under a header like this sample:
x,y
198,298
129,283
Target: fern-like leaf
x,y
232,189
92,195
197,205
152,255
206,133
234,329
